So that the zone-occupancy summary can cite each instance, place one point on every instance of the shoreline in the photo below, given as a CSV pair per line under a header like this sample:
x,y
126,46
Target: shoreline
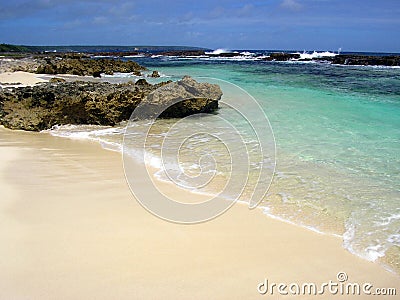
x,y
89,237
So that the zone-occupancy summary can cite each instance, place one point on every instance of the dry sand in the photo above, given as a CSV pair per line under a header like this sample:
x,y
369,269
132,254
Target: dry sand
x,y
70,229
19,79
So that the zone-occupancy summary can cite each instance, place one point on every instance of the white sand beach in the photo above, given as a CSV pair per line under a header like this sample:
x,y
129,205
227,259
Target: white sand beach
x,y
70,229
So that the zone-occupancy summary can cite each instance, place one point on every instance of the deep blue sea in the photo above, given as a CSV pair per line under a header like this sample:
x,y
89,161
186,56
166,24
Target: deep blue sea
x,y
337,135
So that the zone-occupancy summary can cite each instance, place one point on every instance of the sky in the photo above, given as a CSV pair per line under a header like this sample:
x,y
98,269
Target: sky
x,y
353,25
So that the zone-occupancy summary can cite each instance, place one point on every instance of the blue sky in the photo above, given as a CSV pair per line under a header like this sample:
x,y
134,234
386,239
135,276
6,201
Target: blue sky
x,y
353,25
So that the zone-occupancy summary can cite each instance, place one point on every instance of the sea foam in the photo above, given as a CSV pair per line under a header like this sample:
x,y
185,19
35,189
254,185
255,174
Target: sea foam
x,y
316,54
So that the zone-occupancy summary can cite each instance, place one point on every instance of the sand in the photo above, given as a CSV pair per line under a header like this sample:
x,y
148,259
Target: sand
x,y
70,229
19,79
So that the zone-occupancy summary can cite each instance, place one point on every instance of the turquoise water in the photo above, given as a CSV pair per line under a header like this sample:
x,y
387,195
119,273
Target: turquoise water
x,y
337,133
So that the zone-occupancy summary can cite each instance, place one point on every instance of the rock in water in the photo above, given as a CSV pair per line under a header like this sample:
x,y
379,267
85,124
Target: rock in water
x,y
180,99
282,56
155,74
365,60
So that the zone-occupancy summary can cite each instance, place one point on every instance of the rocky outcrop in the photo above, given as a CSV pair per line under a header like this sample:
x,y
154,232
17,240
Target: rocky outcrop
x,y
43,106
40,107
87,66
22,64
70,63
365,60
189,96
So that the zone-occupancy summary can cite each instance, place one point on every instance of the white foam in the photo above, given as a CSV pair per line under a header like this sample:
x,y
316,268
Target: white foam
x,y
140,156
316,54
89,132
387,220
120,75
370,253
152,160
135,56
243,56
103,56
219,51
247,53
233,58
394,239
197,56
111,146
67,131
108,131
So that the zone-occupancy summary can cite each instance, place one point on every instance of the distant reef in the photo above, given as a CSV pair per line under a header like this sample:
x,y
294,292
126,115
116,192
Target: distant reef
x,y
48,53
364,60
281,56
56,103
341,59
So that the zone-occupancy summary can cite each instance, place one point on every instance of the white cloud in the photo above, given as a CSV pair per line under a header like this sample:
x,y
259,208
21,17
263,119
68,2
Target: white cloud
x,y
291,4
246,10
100,20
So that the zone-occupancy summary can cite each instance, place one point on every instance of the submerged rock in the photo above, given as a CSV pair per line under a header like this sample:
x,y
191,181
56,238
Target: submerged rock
x,y
43,106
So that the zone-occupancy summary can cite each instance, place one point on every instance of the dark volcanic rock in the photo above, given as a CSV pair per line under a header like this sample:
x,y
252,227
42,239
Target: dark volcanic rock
x,y
364,60
224,54
282,56
87,66
43,106
155,74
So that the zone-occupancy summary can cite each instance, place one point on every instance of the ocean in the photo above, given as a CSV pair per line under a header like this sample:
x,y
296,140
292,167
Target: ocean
x,y
331,135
